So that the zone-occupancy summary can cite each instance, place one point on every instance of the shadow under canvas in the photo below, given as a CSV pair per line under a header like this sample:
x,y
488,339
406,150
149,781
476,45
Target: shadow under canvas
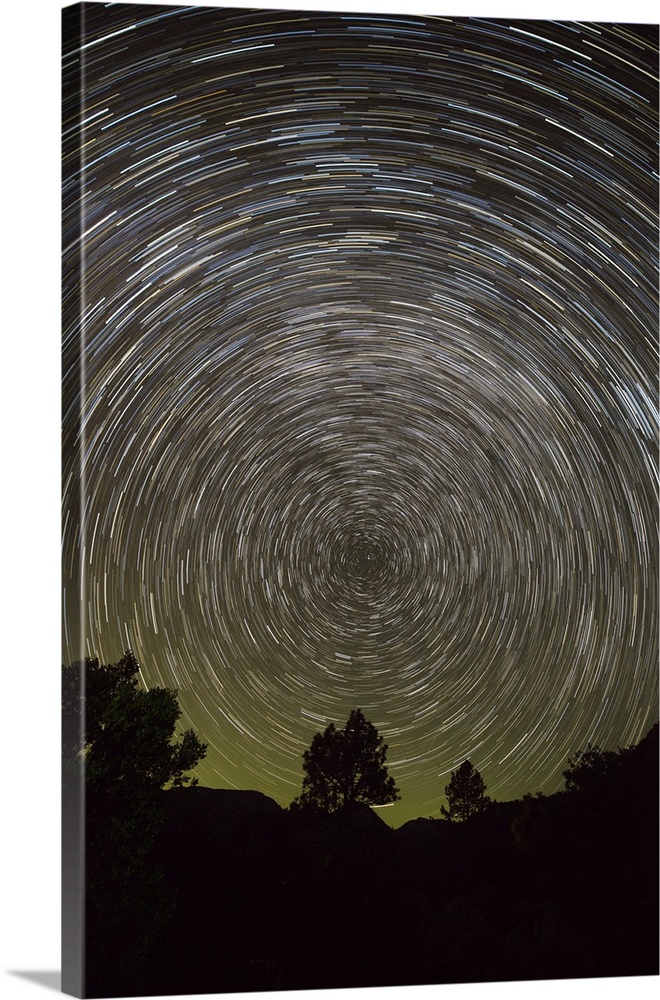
x,y
51,980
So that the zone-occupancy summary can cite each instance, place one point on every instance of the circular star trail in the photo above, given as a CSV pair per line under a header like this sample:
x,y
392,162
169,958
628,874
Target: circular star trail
x,y
360,383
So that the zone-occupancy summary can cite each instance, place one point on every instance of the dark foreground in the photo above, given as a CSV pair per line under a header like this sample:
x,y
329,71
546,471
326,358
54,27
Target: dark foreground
x,y
246,896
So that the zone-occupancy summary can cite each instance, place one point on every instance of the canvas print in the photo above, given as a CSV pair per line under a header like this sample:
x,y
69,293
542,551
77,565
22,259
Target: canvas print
x,y
360,442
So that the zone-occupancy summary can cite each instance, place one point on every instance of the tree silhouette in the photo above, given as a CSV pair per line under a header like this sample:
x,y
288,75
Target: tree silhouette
x,y
346,766
122,735
119,751
465,793
589,768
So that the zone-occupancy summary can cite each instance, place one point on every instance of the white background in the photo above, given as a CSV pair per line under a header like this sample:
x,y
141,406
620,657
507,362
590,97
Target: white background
x,y
30,492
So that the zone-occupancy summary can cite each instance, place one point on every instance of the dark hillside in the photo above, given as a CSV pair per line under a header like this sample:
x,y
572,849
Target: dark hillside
x,y
564,886
216,808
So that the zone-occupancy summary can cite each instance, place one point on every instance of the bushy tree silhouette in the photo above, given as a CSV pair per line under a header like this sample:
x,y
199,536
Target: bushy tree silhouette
x,y
122,735
466,793
346,766
119,751
589,768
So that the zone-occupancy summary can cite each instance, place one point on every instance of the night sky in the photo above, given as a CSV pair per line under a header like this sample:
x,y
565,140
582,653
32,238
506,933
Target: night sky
x,y
367,341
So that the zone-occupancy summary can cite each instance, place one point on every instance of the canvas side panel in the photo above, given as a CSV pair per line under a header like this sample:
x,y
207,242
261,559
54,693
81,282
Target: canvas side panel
x,y
73,917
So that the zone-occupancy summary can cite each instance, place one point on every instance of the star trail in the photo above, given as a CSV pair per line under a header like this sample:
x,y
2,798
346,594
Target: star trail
x,y
360,382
